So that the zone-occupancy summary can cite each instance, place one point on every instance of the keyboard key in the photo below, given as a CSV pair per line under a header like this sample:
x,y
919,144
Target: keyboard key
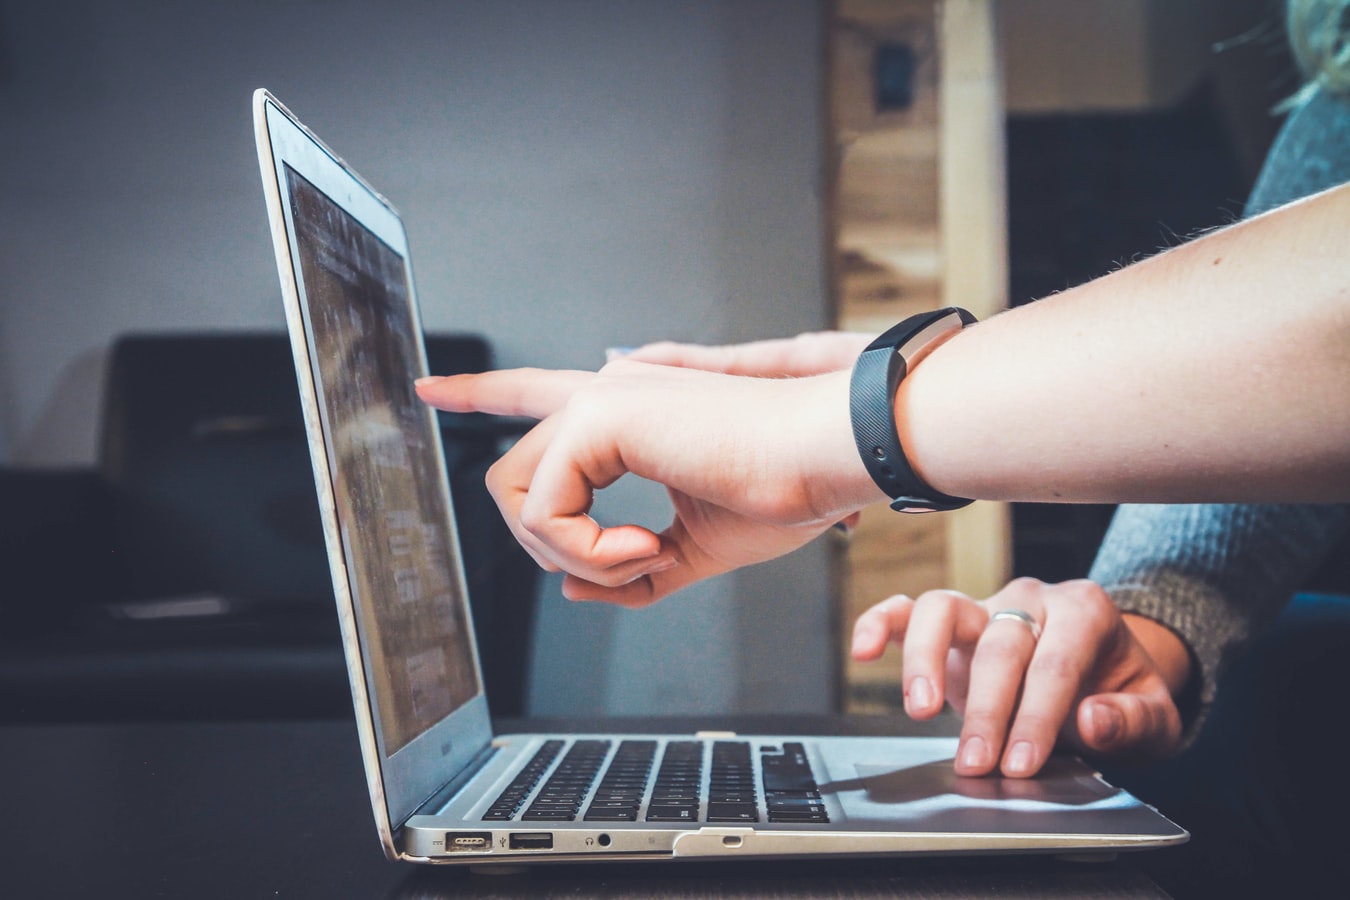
x,y
780,801
547,815
627,814
795,817
672,813
732,812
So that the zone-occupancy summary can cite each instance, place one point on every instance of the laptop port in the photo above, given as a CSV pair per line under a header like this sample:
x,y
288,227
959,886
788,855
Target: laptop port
x,y
468,841
531,840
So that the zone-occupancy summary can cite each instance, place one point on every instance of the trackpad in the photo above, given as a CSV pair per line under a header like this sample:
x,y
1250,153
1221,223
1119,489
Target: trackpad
x,y
932,797
1061,782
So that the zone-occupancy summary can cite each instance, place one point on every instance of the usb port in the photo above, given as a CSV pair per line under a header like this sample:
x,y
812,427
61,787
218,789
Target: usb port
x,y
468,841
531,840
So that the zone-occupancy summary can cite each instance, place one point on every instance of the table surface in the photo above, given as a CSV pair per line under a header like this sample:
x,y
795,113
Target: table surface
x,y
279,809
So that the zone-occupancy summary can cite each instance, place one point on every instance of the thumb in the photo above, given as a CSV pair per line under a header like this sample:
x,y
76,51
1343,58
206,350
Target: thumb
x,y
1145,724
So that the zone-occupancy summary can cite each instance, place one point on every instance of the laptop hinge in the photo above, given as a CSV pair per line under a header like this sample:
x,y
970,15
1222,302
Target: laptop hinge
x,y
448,790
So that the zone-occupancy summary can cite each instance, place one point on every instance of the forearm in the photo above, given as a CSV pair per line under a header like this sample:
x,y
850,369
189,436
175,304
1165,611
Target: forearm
x,y
1218,370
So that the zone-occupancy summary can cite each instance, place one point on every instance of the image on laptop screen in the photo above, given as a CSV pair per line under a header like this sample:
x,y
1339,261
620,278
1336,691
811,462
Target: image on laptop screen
x,y
381,438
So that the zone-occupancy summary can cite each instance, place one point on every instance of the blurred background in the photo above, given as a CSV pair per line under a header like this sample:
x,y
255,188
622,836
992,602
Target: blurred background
x,y
574,175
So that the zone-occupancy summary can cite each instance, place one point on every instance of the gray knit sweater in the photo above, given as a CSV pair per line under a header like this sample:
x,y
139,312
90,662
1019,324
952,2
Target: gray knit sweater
x,y
1217,574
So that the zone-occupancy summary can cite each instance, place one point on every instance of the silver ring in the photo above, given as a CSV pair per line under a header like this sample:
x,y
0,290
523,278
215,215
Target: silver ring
x,y
1018,615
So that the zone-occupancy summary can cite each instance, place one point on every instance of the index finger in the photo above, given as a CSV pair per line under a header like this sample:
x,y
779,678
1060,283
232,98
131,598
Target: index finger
x,y
533,393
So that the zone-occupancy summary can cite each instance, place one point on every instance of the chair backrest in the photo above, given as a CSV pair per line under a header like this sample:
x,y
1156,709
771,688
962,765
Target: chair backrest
x,y
203,449
203,445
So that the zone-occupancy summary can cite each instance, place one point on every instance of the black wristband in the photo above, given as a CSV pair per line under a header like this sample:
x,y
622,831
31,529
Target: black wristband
x,y
876,375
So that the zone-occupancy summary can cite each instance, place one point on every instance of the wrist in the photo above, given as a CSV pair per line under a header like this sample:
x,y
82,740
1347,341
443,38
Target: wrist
x,y
832,473
879,425
1166,648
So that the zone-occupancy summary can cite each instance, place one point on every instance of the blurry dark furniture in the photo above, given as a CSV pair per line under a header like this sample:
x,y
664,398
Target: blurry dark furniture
x,y
185,575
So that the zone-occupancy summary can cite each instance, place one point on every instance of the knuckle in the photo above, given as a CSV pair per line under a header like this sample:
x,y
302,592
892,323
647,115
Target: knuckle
x,y
1025,584
1091,597
876,617
495,478
533,519
622,366
1023,591
1085,609
941,599
894,600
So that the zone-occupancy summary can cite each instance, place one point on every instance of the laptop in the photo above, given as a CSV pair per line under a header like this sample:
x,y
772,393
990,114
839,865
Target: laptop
x,y
443,787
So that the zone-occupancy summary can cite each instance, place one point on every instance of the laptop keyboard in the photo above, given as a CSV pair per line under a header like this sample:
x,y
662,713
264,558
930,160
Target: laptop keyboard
x,y
679,793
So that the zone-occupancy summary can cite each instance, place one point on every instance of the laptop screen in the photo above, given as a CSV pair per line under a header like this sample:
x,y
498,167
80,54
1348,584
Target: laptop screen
x,y
397,539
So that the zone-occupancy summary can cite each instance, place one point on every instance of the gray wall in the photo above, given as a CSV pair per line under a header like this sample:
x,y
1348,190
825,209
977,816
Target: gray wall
x,y
574,175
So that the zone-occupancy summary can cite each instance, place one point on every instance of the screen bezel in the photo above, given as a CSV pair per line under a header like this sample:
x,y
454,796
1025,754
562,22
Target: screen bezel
x,y
399,782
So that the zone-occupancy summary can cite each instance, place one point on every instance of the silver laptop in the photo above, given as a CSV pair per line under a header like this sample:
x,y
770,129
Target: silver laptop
x,y
443,787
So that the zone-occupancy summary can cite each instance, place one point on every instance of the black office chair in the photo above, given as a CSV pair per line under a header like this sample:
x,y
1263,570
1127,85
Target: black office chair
x,y
186,576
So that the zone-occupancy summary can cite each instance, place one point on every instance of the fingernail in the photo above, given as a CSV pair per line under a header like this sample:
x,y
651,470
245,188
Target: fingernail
x,y
974,753
1106,722
1022,758
920,695
664,565
613,353
428,379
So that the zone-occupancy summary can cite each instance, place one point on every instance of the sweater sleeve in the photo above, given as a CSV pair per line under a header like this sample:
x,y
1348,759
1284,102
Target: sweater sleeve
x,y
1214,574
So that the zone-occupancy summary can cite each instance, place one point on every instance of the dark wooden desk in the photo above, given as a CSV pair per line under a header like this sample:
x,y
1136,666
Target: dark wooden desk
x,y
279,810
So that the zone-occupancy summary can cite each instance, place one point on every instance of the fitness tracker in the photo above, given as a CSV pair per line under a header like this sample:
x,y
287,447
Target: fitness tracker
x,y
876,375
